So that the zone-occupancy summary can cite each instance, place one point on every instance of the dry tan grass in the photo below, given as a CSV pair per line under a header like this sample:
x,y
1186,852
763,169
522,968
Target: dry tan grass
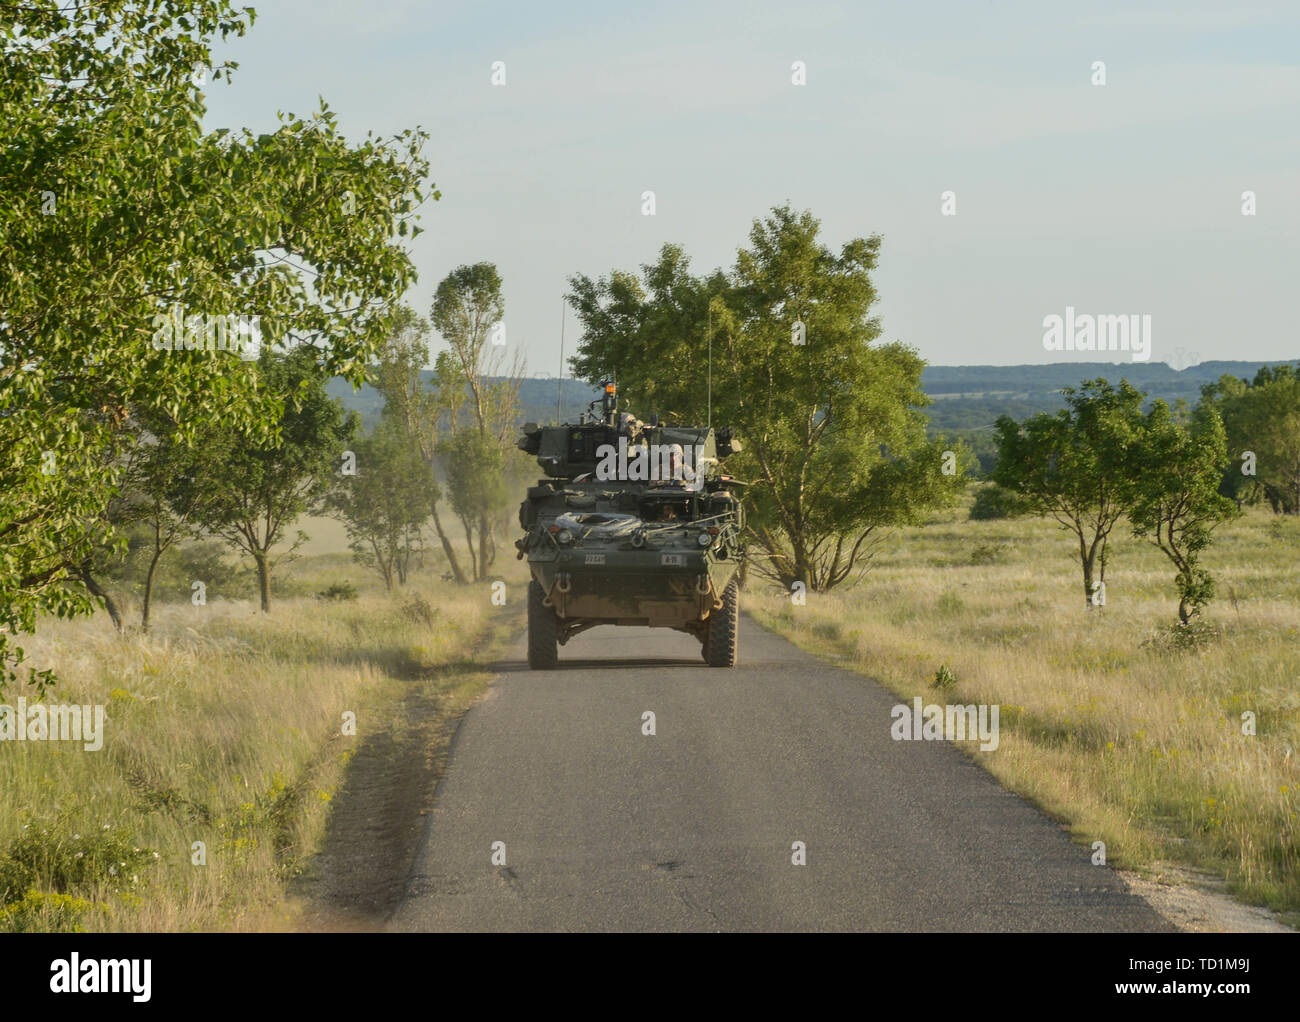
x,y
225,726
1132,741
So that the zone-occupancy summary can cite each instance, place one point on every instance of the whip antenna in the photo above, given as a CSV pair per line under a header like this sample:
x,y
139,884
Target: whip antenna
x,y
560,379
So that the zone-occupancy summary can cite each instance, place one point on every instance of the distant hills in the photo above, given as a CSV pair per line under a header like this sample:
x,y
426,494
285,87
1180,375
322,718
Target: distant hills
x,y
964,397
536,399
972,397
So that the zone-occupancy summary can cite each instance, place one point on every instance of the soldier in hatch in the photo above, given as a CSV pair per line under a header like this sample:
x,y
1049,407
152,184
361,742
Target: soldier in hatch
x,y
672,474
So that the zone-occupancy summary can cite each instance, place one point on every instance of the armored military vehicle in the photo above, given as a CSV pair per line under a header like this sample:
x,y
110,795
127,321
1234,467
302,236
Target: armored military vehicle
x,y
634,524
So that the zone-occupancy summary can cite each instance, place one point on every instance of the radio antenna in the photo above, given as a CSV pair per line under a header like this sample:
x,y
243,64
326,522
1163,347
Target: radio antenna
x,y
709,423
560,379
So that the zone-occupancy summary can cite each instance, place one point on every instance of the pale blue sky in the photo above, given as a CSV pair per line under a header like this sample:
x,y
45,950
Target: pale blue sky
x,y
1116,199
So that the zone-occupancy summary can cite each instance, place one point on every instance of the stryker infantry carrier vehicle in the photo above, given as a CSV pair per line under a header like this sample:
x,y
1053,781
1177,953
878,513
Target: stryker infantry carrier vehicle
x,y
634,524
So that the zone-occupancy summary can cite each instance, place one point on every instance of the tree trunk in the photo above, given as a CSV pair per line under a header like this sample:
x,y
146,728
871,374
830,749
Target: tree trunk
x,y
802,569
452,562
469,545
264,581
483,540
404,551
1093,559
385,564
96,590
148,588
778,561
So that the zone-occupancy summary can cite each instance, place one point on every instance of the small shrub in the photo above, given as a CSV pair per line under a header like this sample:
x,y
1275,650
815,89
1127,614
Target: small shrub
x,y
944,679
1284,530
52,856
420,611
993,502
209,562
987,553
45,912
338,591
1191,637
827,629
950,603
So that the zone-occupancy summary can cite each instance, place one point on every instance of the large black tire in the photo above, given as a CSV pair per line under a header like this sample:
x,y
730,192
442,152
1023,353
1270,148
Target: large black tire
x,y
543,631
720,644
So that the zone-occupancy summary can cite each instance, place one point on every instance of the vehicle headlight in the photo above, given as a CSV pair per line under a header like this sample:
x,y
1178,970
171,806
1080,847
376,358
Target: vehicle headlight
x,y
704,539
564,536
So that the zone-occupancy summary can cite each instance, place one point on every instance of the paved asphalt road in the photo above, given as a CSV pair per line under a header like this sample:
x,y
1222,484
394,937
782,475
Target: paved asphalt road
x,y
692,829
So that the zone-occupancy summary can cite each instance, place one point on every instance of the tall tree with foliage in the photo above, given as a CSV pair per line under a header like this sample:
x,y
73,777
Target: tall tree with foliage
x,y
418,407
1175,501
1262,422
167,485
385,504
118,209
1076,467
834,439
649,332
262,486
477,488
480,391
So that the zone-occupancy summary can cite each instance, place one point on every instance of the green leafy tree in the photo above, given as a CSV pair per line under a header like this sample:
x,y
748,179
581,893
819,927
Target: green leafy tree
x,y
167,486
261,487
650,333
480,394
1175,501
1262,422
476,481
834,438
1239,482
117,210
1075,467
385,504
418,407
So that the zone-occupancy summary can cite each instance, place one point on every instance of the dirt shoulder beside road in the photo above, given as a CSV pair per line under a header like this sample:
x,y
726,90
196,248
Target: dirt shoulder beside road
x,y
359,875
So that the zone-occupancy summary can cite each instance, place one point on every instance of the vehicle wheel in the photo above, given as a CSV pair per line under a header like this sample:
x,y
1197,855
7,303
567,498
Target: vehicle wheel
x,y
720,644
543,631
